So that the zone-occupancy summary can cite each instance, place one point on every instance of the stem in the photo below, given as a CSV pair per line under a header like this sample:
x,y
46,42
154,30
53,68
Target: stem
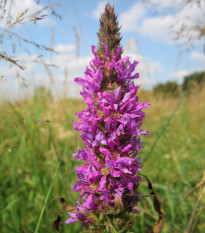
x,y
168,121
47,196
113,228
194,211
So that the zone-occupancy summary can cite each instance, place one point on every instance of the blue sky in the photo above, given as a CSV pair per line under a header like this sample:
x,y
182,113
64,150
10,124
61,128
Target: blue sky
x,y
146,37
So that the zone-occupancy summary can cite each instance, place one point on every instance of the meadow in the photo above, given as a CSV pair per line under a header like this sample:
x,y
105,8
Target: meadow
x,y
37,133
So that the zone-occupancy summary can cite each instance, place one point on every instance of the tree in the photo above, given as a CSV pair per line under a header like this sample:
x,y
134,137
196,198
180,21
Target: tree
x,y
167,89
194,79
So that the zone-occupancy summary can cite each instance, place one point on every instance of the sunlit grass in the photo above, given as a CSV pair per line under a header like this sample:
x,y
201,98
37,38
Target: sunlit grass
x,y
36,133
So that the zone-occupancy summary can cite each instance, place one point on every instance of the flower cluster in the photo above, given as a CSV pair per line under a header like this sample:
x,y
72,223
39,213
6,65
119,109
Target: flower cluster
x,y
109,177
111,135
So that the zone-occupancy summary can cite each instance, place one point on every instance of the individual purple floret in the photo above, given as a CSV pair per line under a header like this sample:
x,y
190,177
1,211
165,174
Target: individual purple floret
x,y
109,176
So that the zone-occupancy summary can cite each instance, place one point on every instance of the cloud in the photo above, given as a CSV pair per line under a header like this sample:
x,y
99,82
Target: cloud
x,y
25,60
158,27
15,7
179,75
130,19
164,4
100,9
15,78
65,48
31,5
200,57
68,67
183,20
149,70
70,61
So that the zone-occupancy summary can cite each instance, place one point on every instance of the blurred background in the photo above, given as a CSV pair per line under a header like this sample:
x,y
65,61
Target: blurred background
x,y
44,45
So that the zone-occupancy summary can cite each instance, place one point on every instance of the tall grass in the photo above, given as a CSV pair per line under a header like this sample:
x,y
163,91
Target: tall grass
x,y
37,133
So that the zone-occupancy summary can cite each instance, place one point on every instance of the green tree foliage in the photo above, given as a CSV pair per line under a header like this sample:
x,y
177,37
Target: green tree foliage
x,y
167,89
196,79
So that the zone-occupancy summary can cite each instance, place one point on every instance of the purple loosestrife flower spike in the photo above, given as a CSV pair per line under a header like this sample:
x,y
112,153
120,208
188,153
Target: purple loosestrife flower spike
x,y
109,33
109,176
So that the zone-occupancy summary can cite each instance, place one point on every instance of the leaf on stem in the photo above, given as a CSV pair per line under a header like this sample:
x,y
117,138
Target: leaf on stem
x,y
22,231
57,223
157,228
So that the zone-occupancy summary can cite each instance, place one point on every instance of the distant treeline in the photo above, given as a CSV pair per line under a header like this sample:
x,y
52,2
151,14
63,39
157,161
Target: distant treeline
x,y
194,80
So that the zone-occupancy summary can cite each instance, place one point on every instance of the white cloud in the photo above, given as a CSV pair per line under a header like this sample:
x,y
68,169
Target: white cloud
x,y
15,7
130,19
158,27
35,74
198,57
179,75
164,27
164,4
69,67
15,78
192,12
66,48
25,60
100,9
70,61
148,69
74,67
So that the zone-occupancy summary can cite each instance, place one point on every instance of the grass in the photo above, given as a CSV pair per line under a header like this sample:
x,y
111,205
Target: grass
x,y
37,133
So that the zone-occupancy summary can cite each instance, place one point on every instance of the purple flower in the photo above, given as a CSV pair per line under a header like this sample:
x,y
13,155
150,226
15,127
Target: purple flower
x,y
110,127
111,134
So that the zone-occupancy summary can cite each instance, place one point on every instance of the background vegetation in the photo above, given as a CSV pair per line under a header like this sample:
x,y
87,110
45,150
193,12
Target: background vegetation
x,y
36,133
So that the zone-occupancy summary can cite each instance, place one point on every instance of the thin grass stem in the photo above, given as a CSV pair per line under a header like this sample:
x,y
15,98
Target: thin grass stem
x,y
168,121
189,228
163,129
47,196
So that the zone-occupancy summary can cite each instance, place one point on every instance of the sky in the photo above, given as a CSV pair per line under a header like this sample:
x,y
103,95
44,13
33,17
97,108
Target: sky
x,y
147,36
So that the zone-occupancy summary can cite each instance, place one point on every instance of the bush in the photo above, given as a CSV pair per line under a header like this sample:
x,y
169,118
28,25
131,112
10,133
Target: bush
x,y
196,79
169,89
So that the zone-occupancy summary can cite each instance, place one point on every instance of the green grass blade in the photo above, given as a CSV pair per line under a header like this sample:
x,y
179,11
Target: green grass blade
x,y
167,123
47,196
163,129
